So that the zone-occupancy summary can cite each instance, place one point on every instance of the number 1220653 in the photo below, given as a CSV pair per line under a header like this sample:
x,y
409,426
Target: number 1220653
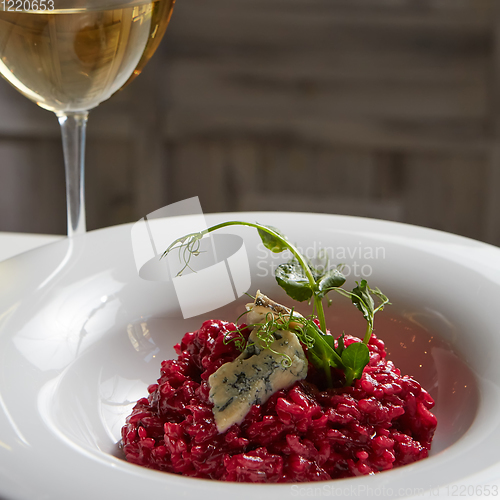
x,y
27,5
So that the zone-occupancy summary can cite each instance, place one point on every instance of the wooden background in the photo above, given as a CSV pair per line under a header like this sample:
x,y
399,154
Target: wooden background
x,y
380,108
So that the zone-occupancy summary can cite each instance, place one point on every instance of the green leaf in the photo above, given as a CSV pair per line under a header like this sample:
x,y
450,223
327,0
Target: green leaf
x,y
383,298
292,278
323,353
362,299
331,279
314,359
330,340
340,343
274,242
354,358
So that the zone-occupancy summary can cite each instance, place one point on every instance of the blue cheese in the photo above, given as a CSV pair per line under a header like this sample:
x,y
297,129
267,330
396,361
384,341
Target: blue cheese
x,y
254,376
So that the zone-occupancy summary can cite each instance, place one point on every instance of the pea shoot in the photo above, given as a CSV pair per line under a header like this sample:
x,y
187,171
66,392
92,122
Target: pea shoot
x,y
304,282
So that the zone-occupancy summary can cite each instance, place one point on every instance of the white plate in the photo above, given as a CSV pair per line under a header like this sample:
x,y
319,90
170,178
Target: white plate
x,y
82,335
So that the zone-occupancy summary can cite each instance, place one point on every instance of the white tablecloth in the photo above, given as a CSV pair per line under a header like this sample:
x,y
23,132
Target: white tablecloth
x,y
15,243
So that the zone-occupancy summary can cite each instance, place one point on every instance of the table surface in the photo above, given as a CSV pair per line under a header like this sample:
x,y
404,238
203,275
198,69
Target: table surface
x,y
15,243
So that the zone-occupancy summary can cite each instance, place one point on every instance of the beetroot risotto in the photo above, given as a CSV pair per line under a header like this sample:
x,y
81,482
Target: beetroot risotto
x,y
299,434
278,399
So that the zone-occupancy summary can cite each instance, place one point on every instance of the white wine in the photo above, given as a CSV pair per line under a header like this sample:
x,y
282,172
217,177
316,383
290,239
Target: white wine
x,y
72,60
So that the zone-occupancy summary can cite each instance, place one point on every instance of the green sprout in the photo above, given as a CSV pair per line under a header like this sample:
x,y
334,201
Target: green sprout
x,y
304,282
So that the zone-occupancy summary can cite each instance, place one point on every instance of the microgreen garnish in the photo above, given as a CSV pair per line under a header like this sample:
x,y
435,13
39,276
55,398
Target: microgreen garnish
x,y
238,339
362,299
303,281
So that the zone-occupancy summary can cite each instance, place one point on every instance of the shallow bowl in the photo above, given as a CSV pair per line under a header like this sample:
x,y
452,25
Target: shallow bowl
x,y
82,335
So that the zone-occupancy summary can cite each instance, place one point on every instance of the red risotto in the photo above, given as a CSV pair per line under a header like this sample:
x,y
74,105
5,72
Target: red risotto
x,y
302,433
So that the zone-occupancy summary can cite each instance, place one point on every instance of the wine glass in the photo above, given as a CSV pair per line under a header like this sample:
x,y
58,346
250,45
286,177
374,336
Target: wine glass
x,y
70,55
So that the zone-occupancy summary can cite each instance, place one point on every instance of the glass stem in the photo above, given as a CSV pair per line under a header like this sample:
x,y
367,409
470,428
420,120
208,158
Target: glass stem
x,y
73,128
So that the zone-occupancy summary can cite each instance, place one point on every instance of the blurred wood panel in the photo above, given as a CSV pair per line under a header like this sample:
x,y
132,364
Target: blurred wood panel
x,y
492,233
447,193
379,108
200,170
270,175
235,20
225,86
313,79
32,196
109,182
